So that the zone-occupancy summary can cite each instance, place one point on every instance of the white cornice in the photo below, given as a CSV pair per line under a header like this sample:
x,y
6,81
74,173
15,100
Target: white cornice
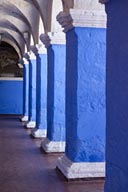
x,y
25,61
41,49
82,18
53,38
45,39
34,49
26,56
32,53
57,38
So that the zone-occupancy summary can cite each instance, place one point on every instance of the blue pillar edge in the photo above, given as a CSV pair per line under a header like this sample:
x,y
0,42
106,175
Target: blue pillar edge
x,y
32,94
85,103
41,95
25,91
55,141
117,96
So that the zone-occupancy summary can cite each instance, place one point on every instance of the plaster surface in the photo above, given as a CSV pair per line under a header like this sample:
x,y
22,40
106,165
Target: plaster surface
x,y
11,96
117,94
85,90
56,93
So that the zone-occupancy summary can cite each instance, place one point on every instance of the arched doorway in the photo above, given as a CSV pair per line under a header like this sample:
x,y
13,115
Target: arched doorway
x,y
11,81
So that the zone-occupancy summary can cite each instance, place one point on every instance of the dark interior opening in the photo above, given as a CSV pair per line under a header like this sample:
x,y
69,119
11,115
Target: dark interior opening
x,y
9,60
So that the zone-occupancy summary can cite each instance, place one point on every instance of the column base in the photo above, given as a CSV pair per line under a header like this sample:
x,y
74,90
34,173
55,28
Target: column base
x,y
53,146
24,119
30,125
39,133
73,170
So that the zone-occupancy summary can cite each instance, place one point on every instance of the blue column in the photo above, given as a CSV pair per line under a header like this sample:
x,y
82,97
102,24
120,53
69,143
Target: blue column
x,y
41,95
32,91
117,97
85,103
55,141
25,90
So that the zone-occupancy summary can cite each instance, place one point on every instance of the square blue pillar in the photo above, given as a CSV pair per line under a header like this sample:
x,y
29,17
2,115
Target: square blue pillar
x,y
55,141
117,97
25,90
85,103
41,95
32,91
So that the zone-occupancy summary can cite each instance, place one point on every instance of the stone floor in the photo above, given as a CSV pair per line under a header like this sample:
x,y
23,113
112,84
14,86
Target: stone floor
x,y
24,168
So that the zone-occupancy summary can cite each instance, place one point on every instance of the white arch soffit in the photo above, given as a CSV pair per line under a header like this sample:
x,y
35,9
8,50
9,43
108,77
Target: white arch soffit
x,y
13,44
42,6
15,36
31,13
49,10
23,10
56,8
19,24
67,4
41,29
8,25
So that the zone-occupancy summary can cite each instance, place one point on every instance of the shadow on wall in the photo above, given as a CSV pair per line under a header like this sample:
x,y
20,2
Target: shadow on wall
x,y
117,97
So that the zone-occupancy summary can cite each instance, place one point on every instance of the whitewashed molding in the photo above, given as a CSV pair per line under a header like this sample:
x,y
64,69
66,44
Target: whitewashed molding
x,y
45,39
41,48
82,18
53,38
74,170
25,61
26,56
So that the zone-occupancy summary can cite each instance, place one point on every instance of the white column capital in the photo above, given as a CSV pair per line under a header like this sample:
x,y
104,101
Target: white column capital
x,y
53,38
32,53
82,18
57,38
26,56
25,61
45,39
103,1
41,48
34,49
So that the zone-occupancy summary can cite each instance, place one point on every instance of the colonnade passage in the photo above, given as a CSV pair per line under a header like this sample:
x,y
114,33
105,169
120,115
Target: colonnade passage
x,y
25,168
65,84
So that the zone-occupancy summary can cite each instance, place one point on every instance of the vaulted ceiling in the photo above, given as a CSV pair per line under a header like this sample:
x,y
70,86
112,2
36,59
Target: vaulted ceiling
x,y
22,21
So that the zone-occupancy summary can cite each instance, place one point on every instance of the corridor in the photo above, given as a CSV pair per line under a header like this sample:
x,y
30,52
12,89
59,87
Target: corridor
x,y
25,168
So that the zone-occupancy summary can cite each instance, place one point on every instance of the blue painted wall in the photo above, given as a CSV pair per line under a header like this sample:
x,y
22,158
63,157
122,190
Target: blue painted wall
x,y
117,97
25,89
85,95
11,95
56,93
41,102
32,90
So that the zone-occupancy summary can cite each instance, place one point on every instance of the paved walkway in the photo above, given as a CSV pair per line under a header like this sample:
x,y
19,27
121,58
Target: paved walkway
x,y
24,168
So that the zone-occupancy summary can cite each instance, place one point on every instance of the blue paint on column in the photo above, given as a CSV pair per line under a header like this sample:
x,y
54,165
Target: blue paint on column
x,y
25,89
32,90
41,105
11,100
85,95
117,97
56,93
